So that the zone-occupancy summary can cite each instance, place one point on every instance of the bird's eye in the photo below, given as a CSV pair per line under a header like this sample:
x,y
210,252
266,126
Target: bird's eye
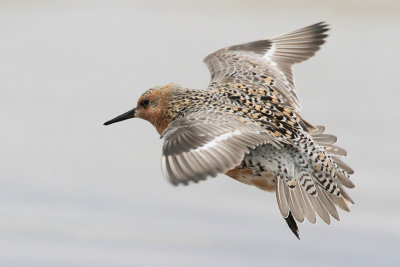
x,y
145,102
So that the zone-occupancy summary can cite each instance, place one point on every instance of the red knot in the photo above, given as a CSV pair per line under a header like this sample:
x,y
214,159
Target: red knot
x,y
247,124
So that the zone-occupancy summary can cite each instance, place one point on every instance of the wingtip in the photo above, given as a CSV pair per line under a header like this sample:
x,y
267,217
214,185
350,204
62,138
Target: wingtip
x,y
292,225
297,235
320,30
323,25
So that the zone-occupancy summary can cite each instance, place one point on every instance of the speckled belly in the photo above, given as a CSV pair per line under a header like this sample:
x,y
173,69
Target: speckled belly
x,y
258,168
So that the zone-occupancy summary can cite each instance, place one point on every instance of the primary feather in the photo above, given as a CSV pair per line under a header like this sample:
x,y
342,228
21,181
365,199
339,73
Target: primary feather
x,y
247,124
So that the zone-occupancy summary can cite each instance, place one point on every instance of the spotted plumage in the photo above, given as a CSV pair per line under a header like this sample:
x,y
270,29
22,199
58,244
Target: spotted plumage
x,y
247,125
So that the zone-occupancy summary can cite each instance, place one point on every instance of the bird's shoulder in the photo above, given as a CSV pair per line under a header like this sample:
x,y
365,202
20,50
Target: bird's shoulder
x,y
261,105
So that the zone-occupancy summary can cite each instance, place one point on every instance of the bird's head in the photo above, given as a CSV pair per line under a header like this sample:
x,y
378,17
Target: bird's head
x,y
151,106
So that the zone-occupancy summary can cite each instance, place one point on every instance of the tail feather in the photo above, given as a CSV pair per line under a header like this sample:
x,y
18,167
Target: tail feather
x,y
341,202
311,177
324,139
309,211
320,129
321,210
343,165
345,180
335,150
345,195
327,202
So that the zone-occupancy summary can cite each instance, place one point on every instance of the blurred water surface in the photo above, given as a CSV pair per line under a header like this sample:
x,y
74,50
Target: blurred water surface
x,y
75,193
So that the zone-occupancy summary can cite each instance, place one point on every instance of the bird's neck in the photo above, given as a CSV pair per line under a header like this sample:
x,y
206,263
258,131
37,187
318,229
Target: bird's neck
x,y
181,102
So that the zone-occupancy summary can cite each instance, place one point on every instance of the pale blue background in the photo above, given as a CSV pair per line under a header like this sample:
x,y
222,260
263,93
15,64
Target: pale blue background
x,y
76,193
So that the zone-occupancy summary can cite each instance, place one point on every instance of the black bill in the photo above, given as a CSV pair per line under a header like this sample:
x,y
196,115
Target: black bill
x,y
127,115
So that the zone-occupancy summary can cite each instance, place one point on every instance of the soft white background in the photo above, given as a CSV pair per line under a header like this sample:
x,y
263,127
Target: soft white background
x,y
76,193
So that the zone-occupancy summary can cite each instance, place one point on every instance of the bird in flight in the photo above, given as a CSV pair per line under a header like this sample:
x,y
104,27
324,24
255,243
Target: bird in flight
x,y
247,124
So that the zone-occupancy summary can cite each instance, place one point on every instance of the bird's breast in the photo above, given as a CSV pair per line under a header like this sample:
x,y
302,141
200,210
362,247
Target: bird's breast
x,y
259,177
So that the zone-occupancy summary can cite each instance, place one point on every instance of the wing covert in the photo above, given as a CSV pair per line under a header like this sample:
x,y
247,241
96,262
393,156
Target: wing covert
x,y
207,143
269,62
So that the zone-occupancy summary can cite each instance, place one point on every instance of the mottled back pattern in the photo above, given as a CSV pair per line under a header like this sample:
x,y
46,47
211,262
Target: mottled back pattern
x,y
267,63
252,86
247,124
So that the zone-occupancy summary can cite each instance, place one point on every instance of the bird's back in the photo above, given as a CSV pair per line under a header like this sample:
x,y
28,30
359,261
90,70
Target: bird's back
x,y
247,124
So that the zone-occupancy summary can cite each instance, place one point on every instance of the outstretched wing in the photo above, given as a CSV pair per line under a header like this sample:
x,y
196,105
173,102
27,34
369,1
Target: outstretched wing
x,y
204,144
269,62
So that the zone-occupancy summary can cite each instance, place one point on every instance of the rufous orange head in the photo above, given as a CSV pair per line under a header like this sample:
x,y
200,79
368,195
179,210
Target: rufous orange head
x,y
151,106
